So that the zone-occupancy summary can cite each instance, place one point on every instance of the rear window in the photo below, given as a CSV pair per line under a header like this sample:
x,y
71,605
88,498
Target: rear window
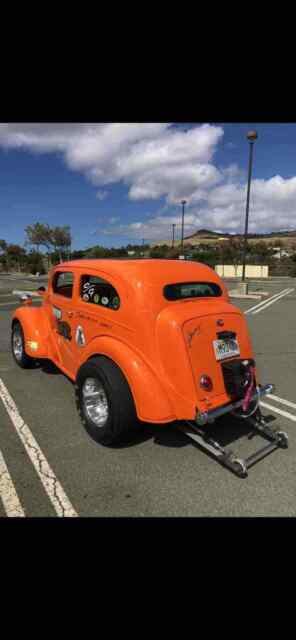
x,y
98,291
183,290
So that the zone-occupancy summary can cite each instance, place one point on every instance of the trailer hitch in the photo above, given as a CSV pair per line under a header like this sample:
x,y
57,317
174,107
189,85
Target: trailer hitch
x,y
227,458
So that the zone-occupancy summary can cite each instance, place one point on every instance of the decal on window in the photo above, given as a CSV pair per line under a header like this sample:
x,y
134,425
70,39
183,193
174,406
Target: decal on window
x,y
85,297
88,289
105,300
115,302
96,298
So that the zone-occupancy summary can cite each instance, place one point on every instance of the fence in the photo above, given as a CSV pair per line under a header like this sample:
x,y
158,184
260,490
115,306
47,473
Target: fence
x,y
236,271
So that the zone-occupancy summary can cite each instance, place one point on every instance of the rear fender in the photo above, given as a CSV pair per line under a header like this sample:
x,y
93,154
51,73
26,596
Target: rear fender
x,y
151,400
34,324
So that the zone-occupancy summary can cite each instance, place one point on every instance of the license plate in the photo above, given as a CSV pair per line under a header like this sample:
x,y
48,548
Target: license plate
x,y
226,348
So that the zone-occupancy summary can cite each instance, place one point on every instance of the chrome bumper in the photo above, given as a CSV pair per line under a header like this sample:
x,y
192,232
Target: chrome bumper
x,y
210,416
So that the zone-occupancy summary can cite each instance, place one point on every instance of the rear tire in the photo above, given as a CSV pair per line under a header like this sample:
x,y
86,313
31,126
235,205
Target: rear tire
x,y
104,401
18,347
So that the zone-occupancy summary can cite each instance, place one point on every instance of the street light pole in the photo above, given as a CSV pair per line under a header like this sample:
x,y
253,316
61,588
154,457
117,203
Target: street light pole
x,y
173,242
251,136
182,235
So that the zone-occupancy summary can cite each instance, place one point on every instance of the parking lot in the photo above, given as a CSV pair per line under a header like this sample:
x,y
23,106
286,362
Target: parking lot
x,y
50,467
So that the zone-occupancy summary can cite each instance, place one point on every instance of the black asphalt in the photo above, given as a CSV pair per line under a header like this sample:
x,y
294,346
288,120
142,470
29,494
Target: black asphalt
x,y
161,473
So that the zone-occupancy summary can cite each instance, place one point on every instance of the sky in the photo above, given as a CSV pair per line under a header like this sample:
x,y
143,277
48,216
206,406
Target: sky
x,y
116,184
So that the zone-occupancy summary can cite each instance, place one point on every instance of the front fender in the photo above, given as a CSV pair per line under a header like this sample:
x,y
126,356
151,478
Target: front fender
x,y
151,400
35,328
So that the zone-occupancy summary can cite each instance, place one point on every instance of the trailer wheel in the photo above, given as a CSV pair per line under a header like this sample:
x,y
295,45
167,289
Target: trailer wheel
x,y
283,439
104,401
18,347
239,467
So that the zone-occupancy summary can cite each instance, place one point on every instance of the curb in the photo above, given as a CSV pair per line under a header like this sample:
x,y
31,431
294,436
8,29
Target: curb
x,y
33,294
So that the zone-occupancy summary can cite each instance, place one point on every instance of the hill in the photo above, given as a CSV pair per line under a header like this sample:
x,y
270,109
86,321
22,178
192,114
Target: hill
x,y
206,236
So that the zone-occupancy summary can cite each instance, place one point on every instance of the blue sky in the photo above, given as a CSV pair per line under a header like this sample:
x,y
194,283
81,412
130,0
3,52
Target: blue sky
x,y
115,184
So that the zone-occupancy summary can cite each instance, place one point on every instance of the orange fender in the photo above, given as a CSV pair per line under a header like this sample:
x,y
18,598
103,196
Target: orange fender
x,y
36,331
151,400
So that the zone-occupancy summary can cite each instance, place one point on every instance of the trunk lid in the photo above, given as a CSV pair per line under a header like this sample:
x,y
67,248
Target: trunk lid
x,y
206,348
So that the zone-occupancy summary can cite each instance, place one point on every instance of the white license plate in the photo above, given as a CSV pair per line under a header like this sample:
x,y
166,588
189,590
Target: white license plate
x,y
226,348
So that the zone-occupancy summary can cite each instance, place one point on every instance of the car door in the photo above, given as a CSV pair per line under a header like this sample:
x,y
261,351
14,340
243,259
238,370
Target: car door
x,y
62,314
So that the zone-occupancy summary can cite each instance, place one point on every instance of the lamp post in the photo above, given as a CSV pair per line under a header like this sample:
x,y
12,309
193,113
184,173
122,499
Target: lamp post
x,y
251,136
182,235
173,241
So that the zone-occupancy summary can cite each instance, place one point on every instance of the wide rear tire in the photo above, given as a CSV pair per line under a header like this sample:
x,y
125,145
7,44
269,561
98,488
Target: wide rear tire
x,y
104,401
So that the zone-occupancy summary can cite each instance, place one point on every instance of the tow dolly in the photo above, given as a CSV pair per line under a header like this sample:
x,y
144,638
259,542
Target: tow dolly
x,y
227,458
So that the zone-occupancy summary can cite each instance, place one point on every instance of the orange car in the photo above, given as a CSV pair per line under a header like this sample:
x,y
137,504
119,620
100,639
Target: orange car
x,y
153,340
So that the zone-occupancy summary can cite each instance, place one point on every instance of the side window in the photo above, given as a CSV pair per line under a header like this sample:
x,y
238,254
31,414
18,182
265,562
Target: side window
x,y
99,292
63,284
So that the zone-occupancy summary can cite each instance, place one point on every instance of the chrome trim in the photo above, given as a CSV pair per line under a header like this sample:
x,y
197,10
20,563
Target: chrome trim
x,y
210,416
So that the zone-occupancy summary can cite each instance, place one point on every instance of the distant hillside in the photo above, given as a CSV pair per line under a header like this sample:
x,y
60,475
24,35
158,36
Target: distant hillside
x,y
206,236
206,233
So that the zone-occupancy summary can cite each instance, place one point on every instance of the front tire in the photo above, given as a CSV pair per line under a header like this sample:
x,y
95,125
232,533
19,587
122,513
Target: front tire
x,y
104,401
18,347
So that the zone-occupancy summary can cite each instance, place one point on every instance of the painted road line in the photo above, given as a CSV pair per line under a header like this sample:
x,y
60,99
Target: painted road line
x,y
260,304
53,488
282,401
272,301
4,304
276,410
8,494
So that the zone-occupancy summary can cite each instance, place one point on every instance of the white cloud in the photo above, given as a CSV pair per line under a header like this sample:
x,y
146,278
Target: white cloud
x,y
156,160
153,159
101,195
272,208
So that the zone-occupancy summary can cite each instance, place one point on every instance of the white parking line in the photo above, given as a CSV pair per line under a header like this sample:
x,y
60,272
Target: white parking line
x,y
272,301
8,304
53,488
8,494
276,410
263,302
282,401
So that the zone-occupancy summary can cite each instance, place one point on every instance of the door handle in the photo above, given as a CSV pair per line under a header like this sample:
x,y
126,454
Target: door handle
x,y
70,314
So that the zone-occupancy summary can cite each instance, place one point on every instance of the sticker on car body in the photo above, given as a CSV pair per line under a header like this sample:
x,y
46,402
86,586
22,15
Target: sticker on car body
x,y
80,337
57,313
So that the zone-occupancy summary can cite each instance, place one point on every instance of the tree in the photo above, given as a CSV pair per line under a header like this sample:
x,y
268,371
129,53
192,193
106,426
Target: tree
x,y
3,249
39,235
60,238
160,251
15,255
34,262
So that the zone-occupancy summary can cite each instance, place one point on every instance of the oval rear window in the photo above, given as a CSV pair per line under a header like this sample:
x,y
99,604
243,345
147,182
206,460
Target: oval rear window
x,y
183,290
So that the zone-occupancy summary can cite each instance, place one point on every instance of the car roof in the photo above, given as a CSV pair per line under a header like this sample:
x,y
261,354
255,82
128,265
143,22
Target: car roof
x,y
152,270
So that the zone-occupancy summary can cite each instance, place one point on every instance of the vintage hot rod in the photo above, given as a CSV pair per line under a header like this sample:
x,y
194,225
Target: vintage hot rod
x,y
146,340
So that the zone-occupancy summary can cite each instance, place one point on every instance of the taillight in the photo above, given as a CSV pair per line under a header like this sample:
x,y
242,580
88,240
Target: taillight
x,y
206,383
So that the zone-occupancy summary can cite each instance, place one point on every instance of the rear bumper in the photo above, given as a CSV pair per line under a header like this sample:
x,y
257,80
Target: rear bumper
x,y
210,416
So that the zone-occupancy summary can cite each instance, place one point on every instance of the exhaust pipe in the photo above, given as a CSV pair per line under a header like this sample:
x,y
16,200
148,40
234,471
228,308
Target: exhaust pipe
x,y
210,416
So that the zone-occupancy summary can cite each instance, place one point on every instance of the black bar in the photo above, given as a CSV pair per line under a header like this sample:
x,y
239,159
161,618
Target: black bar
x,y
261,453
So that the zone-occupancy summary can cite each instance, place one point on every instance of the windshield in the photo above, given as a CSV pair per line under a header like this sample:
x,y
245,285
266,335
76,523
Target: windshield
x,y
183,290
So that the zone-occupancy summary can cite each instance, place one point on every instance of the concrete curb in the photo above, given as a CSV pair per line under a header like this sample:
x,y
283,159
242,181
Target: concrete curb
x,y
33,294
244,296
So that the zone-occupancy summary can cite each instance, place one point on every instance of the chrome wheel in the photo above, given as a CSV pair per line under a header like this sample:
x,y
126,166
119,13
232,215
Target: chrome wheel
x,y
95,401
17,344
